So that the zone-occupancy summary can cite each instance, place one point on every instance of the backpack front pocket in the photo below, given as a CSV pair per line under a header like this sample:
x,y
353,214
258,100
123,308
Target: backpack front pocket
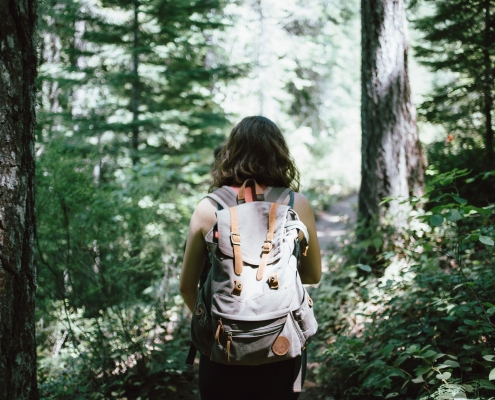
x,y
201,327
243,343
305,320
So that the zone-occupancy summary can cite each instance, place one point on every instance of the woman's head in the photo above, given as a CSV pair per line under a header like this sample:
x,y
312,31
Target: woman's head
x,y
255,149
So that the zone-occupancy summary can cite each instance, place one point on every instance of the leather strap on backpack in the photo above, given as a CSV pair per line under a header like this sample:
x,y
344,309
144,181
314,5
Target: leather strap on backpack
x,y
235,238
268,245
241,197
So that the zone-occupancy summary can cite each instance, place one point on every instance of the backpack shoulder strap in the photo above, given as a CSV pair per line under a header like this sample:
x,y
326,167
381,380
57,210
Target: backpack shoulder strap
x,y
224,196
278,194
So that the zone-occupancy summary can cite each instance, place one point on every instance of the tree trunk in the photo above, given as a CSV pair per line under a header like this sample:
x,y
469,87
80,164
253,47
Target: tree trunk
x,y
392,164
487,86
135,87
17,217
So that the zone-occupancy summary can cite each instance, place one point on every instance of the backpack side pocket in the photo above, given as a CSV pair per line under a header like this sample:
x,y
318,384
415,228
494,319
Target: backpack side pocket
x,y
201,328
305,320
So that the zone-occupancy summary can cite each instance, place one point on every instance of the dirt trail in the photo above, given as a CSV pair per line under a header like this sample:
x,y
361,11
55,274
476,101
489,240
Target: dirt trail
x,y
334,223
331,225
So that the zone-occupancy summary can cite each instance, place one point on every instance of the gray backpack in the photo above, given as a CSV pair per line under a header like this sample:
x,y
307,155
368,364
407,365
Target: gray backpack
x,y
253,308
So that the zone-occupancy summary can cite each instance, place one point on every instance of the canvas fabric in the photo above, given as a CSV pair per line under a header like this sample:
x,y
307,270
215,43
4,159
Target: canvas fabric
x,y
253,308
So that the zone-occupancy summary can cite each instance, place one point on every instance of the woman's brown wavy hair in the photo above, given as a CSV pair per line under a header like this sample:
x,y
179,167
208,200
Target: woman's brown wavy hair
x,y
255,149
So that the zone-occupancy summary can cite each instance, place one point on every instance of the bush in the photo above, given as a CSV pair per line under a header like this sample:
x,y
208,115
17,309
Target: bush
x,y
111,323
423,326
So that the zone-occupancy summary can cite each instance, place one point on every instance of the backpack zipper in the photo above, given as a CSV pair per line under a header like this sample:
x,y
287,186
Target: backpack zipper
x,y
255,332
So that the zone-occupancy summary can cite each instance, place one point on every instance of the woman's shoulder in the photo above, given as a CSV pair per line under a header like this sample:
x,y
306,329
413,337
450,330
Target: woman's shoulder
x,y
204,216
299,197
302,205
205,209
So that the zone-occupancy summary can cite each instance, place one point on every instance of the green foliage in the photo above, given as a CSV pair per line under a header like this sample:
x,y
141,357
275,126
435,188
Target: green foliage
x,y
109,315
123,154
419,324
457,38
443,157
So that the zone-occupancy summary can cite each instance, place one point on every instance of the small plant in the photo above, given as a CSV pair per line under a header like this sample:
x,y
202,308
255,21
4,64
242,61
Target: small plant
x,y
420,324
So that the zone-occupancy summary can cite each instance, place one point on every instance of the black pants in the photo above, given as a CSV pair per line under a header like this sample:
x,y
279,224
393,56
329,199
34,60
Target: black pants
x,y
242,382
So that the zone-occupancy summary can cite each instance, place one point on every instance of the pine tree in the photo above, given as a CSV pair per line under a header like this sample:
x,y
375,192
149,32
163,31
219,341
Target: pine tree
x,y
459,38
155,63
127,125
60,26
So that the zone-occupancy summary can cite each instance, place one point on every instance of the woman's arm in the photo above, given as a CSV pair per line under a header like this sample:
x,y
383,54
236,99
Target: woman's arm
x,y
310,265
202,220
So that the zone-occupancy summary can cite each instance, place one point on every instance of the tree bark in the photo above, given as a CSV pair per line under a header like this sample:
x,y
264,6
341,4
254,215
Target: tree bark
x,y
135,87
487,85
392,164
17,216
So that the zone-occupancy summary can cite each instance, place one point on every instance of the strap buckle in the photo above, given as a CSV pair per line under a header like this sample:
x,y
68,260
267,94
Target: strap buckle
x,y
267,246
232,234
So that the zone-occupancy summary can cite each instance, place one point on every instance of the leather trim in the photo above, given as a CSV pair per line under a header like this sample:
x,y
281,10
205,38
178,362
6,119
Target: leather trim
x,y
281,346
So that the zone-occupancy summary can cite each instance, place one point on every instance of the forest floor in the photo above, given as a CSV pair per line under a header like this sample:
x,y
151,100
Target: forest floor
x,y
331,225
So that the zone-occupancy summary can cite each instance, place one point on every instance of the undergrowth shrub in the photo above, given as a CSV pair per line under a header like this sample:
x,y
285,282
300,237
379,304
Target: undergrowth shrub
x,y
423,325
110,321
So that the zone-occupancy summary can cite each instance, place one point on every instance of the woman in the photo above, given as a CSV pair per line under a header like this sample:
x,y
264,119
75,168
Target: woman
x,y
255,149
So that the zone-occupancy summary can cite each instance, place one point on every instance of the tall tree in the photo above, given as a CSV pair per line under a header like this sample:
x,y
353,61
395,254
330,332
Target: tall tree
x,y
127,96
156,64
17,216
392,164
458,38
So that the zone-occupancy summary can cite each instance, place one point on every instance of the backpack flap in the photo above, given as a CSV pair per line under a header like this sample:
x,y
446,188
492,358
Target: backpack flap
x,y
253,228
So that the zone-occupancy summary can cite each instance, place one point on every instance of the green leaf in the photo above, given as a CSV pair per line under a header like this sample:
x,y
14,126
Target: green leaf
x,y
454,215
486,240
444,376
377,243
468,388
387,349
429,354
422,369
460,200
387,199
364,267
436,220
451,363
390,395
489,357
491,377
490,311
419,379
485,384
473,210
400,360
